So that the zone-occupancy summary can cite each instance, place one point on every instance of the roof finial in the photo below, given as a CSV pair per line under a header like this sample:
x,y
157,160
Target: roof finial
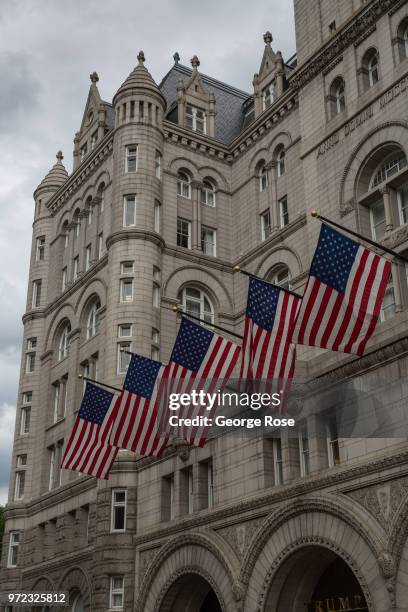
x,y
94,77
59,157
176,57
141,58
195,62
267,38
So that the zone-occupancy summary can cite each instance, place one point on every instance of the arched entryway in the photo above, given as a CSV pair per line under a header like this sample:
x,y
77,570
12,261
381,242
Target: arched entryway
x,y
315,579
76,602
190,593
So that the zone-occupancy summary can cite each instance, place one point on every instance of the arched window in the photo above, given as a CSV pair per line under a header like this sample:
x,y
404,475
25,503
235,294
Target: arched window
x,y
208,193
263,177
268,96
402,39
390,165
92,324
194,301
78,604
280,162
183,185
373,70
279,275
405,39
338,96
63,344
370,68
65,234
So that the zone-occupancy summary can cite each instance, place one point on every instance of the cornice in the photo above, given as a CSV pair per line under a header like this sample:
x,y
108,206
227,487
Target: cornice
x,y
135,233
350,33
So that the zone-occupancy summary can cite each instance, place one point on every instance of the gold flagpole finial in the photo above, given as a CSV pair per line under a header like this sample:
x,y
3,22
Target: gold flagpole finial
x,y
175,308
80,376
237,269
314,213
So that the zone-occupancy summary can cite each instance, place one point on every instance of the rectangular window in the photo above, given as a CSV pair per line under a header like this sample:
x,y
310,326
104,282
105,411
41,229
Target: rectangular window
x,y
25,420
76,268
36,295
88,255
90,215
266,224
156,295
14,543
377,220
64,279
208,241
21,460
183,233
333,446
123,357
40,248
100,245
126,290
19,486
129,211
158,164
210,484
125,330
116,592
155,336
196,119
94,140
118,510
157,214
131,158
127,267
277,461
31,344
155,353
304,451
56,391
388,303
168,498
30,362
77,228
283,211
27,397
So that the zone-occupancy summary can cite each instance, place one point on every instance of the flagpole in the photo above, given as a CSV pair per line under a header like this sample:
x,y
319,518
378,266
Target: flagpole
x,y
223,329
92,380
316,215
238,269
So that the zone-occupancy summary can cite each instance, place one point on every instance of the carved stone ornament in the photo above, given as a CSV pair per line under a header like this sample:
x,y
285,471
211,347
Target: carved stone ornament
x,y
347,207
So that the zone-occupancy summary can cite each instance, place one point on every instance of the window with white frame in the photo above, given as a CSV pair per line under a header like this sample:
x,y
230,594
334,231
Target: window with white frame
x,y
118,510
196,119
157,215
19,485
373,69
391,165
55,472
156,295
280,162
125,330
405,39
268,96
129,210
155,352
124,348
280,275
40,248
76,268
14,543
26,413
194,301
388,303
278,461
338,96
77,227
126,290
90,215
183,233
208,194
208,241
36,294
21,460
266,224
66,238
64,278
131,158
283,211
30,363
127,267
183,185
63,345
60,389
31,344
158,164
92,324
117,591
156,274
263,178
333,446
88,257
377,220
304,455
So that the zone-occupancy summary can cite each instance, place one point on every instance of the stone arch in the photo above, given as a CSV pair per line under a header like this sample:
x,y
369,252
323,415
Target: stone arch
x,y
183,163
217,177
398,552
64,312
88,194
283,138
260,155
97,287
102,178
205,554
77,579
43,583
64,219
204,278
76,205
389,132
280,255
334,522
168,594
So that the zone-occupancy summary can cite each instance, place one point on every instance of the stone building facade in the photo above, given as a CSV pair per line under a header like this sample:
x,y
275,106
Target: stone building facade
x,y
173,185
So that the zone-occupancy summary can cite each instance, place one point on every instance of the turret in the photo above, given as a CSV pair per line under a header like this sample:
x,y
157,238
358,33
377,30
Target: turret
x,y
52,181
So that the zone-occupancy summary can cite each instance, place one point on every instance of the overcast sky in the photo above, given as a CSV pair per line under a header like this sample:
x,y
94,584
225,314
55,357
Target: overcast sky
x,y
47,51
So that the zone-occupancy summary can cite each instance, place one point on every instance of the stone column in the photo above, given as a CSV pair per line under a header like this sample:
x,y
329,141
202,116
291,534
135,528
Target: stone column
x,y
279,76
83,216
272,196
196,223
211,116
76,161
387,209
317,443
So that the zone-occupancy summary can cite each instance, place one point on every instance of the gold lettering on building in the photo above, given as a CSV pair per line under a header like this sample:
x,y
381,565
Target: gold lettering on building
x,y
349,603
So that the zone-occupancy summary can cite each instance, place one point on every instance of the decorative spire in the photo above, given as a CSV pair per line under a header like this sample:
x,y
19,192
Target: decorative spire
x,y
141,58
195,62
176,57
59,157
267,38
94,77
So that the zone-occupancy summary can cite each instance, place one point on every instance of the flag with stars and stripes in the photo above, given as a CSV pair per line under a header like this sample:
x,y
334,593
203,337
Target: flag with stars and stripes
x,y
136,424
201,360
267,353
88,450
343,295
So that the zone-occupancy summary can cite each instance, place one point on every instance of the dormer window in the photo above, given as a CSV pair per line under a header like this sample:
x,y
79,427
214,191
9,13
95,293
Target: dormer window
x,y
268,96
196,119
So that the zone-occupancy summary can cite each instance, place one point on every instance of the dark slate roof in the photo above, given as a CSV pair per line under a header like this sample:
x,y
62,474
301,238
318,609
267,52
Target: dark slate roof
x,y
110,115
228,101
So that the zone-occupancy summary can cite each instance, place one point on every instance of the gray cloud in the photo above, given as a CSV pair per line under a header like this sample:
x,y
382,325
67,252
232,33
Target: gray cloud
x,y
20,91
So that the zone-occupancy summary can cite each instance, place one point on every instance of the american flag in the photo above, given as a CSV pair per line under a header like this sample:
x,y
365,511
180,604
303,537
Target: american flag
x,y
88,450
136,422
343,295
267,354
201,360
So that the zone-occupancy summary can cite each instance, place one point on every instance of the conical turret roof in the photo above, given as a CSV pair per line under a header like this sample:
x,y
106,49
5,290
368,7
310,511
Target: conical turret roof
x,y
56,176
139,78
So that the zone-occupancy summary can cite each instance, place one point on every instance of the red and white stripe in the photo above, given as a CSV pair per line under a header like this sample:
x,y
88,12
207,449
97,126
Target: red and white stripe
x,y
88,450
212,376
344,322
